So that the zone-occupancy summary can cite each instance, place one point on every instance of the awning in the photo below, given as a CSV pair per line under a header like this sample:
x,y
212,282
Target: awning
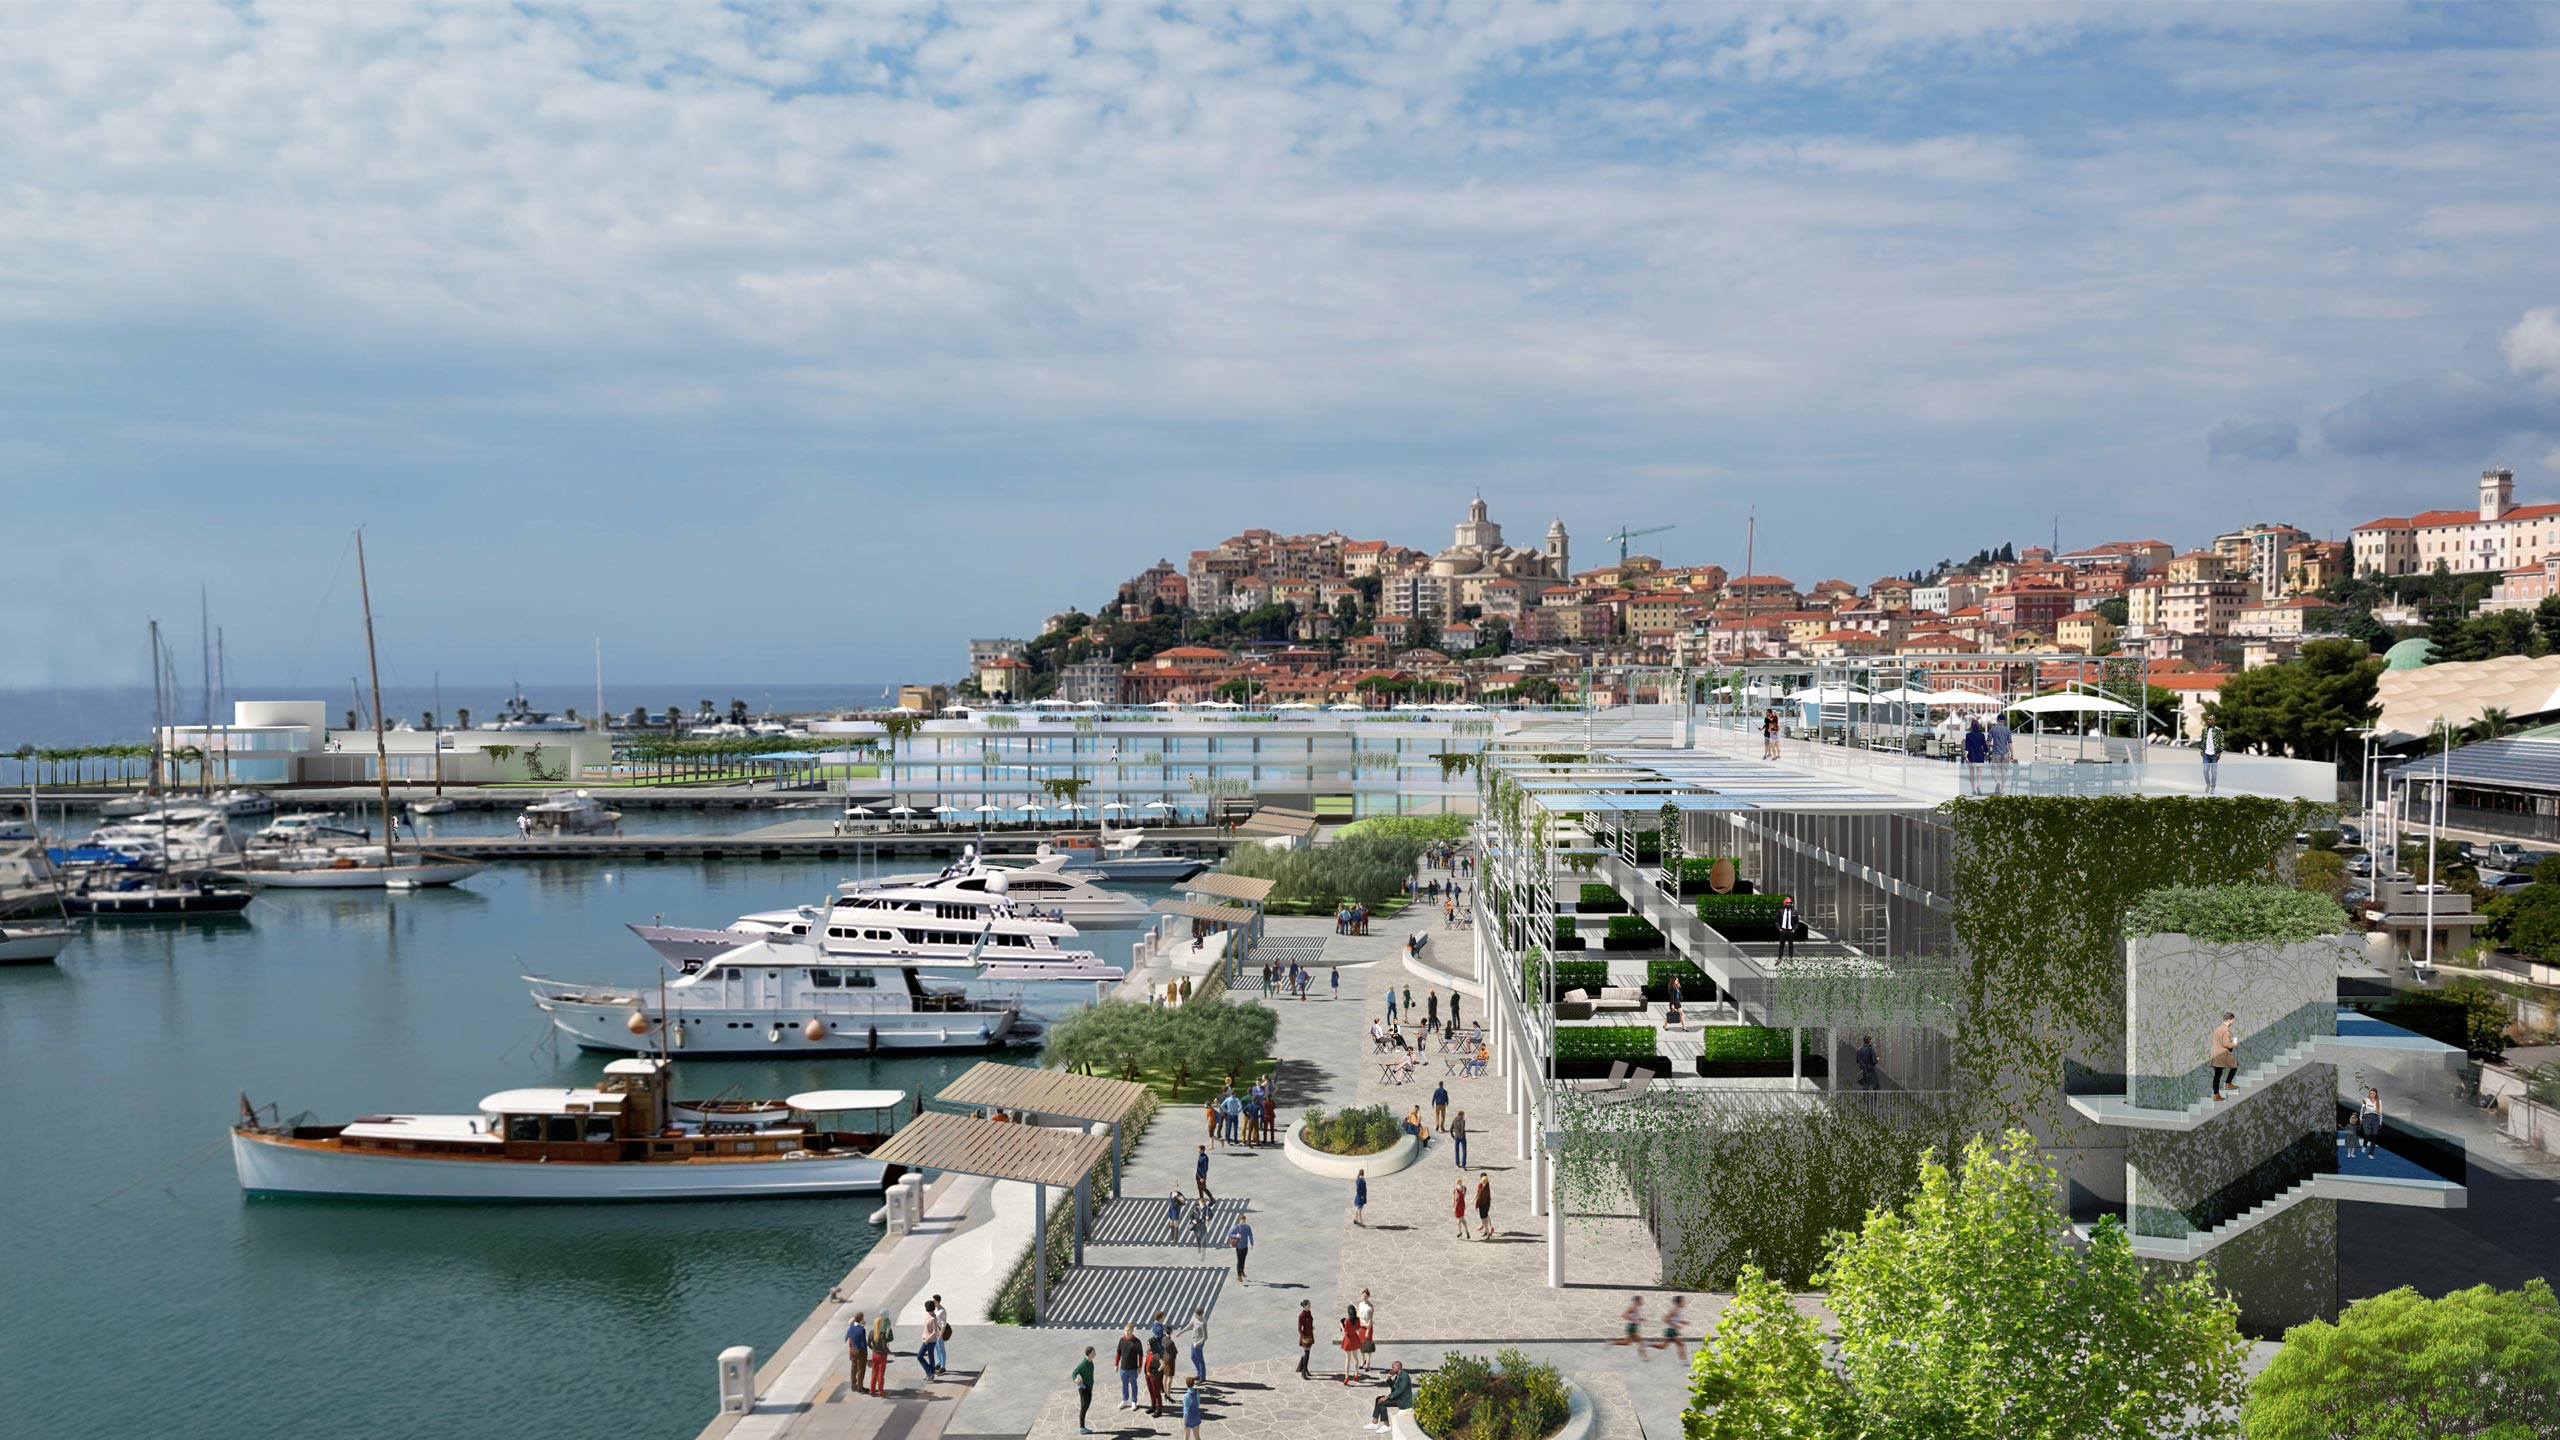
x,y
1061,1093
830,1101
1228,887
996,1149
1194,910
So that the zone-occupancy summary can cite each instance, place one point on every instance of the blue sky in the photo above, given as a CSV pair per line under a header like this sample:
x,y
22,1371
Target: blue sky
x,y
808,341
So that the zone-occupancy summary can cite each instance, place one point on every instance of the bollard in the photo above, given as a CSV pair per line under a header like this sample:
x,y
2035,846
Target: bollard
x,y
737,1380
900,1222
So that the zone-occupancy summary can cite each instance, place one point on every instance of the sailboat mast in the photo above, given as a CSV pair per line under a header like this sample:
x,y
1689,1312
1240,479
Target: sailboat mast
x,y
381,747
204,639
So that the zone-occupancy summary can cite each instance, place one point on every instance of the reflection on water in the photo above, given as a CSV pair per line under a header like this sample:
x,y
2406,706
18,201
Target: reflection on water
x,y
140,1281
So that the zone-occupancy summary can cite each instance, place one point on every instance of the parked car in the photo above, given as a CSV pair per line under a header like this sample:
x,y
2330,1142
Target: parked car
x,y
2508,855
2355,895
2360,863
2506,880
2349,834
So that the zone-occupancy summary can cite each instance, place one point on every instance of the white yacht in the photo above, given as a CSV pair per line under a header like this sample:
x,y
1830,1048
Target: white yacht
x,y
624,1138
1043,883
1003,940
351,867
310,828
173,835
784,995
576,813
34,944
518,714
240,804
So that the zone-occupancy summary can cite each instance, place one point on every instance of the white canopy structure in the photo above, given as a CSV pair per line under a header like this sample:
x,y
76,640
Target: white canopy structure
x,y
903,810
2072,703
1052,700
946,809
826,1102
1164,705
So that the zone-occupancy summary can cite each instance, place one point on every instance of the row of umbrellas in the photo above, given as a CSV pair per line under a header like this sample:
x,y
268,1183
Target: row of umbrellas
x,y
2059,703
1072,807
1237,705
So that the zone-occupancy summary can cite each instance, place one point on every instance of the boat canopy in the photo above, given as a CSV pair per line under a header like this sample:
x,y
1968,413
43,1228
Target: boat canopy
x,y
818,1102
548,1102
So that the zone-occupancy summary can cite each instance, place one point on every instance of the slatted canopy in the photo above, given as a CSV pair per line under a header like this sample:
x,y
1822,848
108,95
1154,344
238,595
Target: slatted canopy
x,y
1194,910
959,1145
1267,821
1228,887
1061,1093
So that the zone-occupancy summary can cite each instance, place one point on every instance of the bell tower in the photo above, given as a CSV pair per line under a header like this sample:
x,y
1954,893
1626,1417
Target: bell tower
x,y
1559,551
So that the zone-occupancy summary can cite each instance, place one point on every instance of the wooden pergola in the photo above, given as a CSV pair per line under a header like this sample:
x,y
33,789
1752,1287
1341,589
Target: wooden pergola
x,y
993,1085
1000,1150
1209,896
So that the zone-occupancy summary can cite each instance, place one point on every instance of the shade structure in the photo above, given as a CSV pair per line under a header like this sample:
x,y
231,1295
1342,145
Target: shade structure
x,y
946,809
1228,887
857,810
1096,703
1034,1154
1346,706
1159,805
1028,809
1052,700
990,809
1047,1093
1114,805
1966,698
2068,703
1295,705
1164,705
1831,695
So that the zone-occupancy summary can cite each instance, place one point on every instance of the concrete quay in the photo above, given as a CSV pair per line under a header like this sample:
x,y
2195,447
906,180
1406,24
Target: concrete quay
x,y
792,839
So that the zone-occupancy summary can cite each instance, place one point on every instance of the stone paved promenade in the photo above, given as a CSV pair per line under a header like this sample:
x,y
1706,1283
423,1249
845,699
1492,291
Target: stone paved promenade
x,y
1433,1292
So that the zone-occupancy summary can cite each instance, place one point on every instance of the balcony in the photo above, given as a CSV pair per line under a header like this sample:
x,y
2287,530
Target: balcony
x,y
2360,1039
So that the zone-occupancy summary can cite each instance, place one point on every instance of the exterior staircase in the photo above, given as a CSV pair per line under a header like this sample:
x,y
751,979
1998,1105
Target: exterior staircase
x,y
2430,1194
2119,1109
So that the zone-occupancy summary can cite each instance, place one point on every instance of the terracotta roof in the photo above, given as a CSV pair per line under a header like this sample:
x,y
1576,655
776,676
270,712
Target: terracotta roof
x,y
1191,652
2191,680
2084,615
2426,519
1761,580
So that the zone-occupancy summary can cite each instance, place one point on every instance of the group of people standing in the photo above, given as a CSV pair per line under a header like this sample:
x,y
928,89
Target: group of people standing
x,y
1351,919
1247,1119
1295,980
870,1339
1994,745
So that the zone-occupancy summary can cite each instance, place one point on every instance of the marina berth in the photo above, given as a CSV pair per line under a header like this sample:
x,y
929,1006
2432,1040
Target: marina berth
x,y
577,813
623,1139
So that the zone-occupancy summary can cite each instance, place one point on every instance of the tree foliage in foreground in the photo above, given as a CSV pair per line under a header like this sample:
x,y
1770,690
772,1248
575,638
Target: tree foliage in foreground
x,y
2306,707
2480,1362
1209,1036
1965,1316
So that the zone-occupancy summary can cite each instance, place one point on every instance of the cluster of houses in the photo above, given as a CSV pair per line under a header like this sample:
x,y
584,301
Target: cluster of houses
x,y
1482,615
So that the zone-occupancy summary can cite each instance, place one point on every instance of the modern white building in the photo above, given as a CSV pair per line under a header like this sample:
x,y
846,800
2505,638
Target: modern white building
x,y
289,742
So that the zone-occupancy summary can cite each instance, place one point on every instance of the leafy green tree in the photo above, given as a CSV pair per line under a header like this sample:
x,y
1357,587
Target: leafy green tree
x,y
2046,1343
2322,872
2527,920
2484,1015
2480,1362
2305,707
2112,610
2493,722
1761,1376
2546,624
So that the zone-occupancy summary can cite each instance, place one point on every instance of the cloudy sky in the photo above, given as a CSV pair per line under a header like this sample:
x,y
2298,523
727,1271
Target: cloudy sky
x,y
805,342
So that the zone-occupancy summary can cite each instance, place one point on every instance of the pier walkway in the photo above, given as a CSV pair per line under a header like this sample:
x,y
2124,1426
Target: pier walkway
x,y
789,839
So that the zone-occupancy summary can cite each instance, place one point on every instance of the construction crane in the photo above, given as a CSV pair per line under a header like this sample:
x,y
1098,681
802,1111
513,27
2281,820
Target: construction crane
x,y
1625,535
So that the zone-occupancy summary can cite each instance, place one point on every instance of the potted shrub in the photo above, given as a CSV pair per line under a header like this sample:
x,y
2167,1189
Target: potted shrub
x,y
1601,900
1696,874
1631,932
1340,1145
1566,938
1513,1398
1740,917
1752,1052
1695,987
1585,1052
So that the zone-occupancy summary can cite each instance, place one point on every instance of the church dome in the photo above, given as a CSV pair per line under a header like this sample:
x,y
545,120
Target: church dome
x,y
2409,654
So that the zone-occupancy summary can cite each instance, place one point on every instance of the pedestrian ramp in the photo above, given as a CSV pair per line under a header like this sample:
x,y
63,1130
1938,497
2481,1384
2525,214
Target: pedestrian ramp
x,y
1139,1220
1106,1297
1281,949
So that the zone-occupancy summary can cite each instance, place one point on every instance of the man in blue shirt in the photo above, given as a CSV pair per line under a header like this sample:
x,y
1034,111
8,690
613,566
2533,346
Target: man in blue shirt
x,y
1241,1237
1440,1106
1200,1177
1233,1108
1359,1196
1191,1410
1336,982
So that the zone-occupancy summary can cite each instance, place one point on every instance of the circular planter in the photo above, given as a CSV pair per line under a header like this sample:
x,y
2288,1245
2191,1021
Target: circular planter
x,y
1578,1421
1306,1157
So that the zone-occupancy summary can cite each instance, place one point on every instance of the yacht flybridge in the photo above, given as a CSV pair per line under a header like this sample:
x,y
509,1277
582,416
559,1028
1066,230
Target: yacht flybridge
x,y
625,1138
783,994
1042,883
982,927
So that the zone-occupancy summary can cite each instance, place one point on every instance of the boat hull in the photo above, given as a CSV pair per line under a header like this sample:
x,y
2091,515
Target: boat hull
x,y
33,947
275,1167
1169,869
606,1028
361,877
110,905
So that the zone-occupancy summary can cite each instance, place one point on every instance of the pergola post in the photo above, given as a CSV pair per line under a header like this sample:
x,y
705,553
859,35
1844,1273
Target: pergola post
x,y
1539,1166
1795,1058
1555,1227
1111,1129
1084,1214
1039,1252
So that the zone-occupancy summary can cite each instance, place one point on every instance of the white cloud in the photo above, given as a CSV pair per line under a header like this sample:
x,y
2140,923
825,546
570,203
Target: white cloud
x,y
2532,346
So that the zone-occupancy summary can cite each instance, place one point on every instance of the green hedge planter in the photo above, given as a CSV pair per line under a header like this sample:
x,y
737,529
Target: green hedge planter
x,y
1721,911
1743,1042
2236,914
1607,1042
1601,900
1631,932
1566,939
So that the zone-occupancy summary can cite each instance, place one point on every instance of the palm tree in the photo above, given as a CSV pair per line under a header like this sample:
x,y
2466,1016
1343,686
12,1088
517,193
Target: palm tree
x,y
2493,722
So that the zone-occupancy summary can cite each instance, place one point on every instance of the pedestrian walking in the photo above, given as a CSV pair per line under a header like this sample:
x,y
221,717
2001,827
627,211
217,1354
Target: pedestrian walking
x,y
1200,1177
1454,998
1997,740
1484,1205
1868,1079
1191,1411
1977,749
2369,1120
1458,1204
1157,1372
1634,1316
1359,1195
932,1334
1368,1332
1209,1108
2225,1057
1769,733
1350,1340
2212,751
1335,979
1674,1320
1083,1376
1306,1337
1391,1004
1408,998
882,1337
1198,1330
1241,1237
1431,1009
1128,1355
857,1347
1458,1140
1172,1216
1440,1105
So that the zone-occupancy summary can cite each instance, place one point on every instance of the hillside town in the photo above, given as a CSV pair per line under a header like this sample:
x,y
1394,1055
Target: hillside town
x,y
1325,618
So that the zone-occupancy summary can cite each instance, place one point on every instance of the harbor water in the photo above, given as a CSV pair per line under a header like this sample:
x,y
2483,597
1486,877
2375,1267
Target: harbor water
x,y
145,1295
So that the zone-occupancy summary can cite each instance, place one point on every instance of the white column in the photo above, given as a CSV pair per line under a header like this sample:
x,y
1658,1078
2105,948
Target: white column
x,y
1555,1229
1539,1165
1479,946
1795,1058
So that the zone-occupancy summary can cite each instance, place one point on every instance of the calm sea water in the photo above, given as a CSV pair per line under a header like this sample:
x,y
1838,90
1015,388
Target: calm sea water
x,y
108,715
144,1295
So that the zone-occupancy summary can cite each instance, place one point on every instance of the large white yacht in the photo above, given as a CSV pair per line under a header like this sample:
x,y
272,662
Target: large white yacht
x,y
173,835
1041,884
783,994
1005,941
